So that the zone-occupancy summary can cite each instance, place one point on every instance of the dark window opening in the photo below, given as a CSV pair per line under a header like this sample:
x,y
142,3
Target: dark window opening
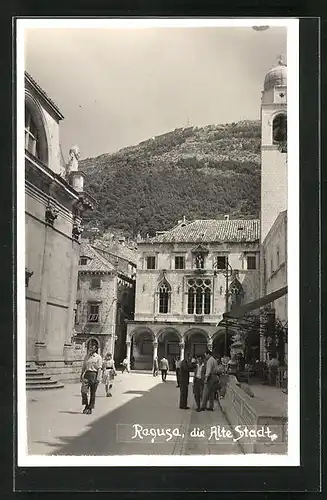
x,y
32,143
221,262
179,262
163,299
95,283
151,262
93,315
83,261
280,129
251,262
190,301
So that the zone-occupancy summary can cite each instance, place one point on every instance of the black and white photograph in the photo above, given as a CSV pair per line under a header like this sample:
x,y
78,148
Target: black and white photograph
x,y
158,225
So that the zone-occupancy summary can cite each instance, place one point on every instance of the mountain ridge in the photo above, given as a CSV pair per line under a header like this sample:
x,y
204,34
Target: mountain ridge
x,y
197,172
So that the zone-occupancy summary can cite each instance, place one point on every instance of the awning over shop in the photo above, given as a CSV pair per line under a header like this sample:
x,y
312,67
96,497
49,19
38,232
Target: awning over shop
x,y
256,304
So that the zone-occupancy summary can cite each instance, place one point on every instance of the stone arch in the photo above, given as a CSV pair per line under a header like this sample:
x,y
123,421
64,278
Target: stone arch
x,y
194,330
92,341
279,128
196,341
168,330
35,110
138,331
169,340
142,343
218,341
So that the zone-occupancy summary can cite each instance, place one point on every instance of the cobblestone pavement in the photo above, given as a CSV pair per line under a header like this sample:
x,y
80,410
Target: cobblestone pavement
x,y
56,425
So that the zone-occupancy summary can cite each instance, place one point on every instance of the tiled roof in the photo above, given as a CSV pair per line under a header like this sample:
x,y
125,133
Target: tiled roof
x,y
118,250
95,263
211,231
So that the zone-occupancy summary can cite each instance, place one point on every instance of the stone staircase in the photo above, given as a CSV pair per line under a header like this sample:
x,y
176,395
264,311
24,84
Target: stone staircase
x,y
38,380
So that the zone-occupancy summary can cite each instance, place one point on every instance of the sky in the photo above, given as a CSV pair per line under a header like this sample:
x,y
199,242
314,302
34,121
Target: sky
x,y
117,87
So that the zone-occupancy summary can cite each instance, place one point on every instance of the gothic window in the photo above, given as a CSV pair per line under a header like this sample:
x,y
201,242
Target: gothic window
x,y
199,296
280,129
164,292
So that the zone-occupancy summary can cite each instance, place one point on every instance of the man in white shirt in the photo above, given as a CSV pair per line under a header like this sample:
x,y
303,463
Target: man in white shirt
x,y
210,382
90,378
164,368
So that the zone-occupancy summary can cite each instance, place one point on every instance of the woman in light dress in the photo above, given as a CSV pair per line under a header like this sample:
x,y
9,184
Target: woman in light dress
x,y
108,373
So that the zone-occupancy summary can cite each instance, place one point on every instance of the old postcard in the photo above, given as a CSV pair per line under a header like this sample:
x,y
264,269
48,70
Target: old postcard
x,y
157,205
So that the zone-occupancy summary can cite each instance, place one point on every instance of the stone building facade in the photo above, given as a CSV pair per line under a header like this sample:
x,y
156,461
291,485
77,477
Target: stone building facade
x,y
105,298
274,186
54,204
186,278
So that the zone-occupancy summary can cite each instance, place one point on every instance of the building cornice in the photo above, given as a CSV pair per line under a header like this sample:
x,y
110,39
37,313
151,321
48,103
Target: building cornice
x,y
43,96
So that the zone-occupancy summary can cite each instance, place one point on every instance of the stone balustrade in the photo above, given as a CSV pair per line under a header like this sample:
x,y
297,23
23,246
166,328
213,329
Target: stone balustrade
x,y
241,409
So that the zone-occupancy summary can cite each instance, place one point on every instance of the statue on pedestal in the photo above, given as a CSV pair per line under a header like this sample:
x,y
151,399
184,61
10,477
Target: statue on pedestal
x,y
72,165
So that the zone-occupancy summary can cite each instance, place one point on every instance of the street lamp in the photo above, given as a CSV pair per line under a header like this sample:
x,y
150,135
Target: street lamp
x,y
227,271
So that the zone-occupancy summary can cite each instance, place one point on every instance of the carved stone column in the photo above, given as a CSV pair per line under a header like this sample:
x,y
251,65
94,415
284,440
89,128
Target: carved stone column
x,y
68,348
128,353
209,344
155,349
182,349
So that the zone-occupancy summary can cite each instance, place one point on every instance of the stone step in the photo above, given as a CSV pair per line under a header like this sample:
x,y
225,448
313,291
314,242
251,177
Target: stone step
x,y
37,376
31,370
41,386
44,381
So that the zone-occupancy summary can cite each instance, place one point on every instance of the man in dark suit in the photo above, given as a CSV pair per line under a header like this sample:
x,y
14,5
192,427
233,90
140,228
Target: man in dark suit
x,y
198,381
184,378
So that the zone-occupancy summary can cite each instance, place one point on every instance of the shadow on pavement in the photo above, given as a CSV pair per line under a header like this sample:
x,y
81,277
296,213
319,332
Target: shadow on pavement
x,y
157,408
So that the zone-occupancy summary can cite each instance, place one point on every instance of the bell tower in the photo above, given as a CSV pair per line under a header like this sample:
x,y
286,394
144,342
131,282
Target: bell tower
x,y
273,146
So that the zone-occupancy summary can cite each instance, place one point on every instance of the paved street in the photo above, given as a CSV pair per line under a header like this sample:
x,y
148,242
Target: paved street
x,y
56,425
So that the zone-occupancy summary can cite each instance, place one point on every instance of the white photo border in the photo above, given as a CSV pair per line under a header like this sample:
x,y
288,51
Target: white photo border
x,y
293,456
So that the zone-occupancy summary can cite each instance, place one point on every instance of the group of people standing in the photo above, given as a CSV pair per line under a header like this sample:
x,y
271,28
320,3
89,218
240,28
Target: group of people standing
x,y
206,382
207,372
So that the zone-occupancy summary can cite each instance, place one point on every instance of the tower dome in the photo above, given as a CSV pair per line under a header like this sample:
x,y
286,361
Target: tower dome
x,y
276,76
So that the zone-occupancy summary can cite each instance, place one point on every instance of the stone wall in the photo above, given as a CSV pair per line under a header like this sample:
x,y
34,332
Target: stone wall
x,y
52,256
241,409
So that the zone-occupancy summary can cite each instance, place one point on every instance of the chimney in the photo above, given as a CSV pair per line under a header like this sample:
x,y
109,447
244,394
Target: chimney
x,y
121,240
226,217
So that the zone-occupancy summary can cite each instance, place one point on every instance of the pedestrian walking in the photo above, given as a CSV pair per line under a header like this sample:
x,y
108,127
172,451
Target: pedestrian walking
x,y
164,366
178,370
108,373
210,382
155,367
90,377
125,366
184,378
198,381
